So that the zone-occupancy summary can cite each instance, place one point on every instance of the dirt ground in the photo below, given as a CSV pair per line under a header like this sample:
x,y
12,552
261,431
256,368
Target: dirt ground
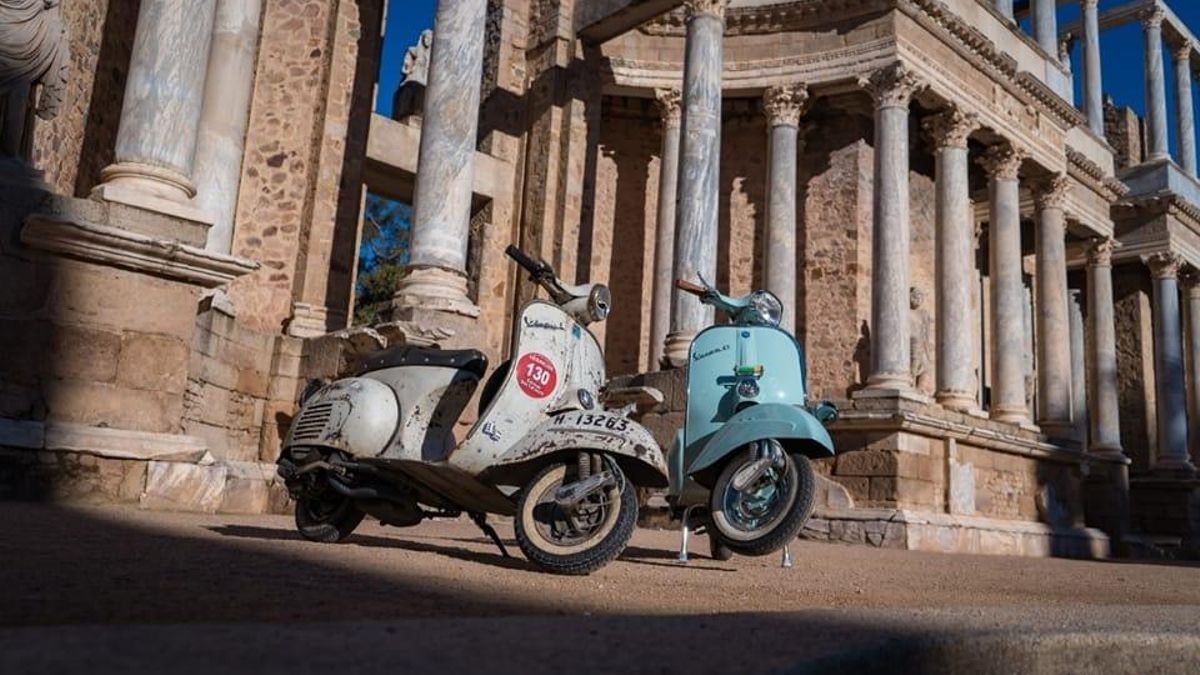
x,y
105,589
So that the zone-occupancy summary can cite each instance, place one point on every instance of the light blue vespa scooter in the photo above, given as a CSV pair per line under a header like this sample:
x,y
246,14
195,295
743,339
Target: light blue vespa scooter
x,y
739,467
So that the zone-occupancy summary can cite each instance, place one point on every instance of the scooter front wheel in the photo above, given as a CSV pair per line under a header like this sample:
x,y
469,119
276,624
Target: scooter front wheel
x,y
762,516
327,519
580,540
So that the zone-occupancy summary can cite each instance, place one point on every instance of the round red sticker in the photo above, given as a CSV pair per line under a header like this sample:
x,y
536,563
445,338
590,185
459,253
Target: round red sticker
x,y
536,375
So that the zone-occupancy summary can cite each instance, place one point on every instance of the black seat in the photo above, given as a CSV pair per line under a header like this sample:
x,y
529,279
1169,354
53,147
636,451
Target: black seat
x,y
470,360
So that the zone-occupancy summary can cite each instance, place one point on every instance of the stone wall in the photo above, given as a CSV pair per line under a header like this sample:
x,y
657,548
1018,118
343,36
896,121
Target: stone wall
x,y
73,147
1135,363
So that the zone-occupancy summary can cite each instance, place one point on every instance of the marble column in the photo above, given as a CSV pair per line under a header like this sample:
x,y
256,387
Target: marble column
x,y
1185,119
160,114
1104,412
954,264
1093,88
1005,7
784,105
226,112
1156,87
1172,456
664,248
1079,412
1003,165
436,276
891,348
1192,297
1045,26
699,171
1054,324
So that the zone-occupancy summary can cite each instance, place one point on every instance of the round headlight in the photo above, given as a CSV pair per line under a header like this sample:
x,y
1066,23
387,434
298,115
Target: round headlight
x,y
768,307
599,302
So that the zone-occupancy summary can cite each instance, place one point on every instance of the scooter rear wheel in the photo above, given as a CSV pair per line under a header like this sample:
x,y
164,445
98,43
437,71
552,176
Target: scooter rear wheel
x,y
327,519
768,515
551,541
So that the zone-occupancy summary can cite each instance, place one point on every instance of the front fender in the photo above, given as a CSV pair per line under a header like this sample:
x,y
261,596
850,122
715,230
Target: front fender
x,y
794,427
626,441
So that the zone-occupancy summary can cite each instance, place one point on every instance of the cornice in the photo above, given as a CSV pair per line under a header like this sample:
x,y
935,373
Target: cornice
x,y
1091,174
113,246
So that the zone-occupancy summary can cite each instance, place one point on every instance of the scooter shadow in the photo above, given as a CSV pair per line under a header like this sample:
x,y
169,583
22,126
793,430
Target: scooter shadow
x,y
267,533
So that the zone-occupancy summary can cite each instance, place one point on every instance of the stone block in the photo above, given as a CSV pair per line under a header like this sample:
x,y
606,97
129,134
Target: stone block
x,y
105,405
867,463
83,353
153,362
858,487
883,489
122,300
917,493
962,488
179,486
253,382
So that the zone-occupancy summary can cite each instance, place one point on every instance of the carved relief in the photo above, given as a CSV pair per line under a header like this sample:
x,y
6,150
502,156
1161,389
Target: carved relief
x,y
1164,264
785,104
950,128
1003,161
892,86
1052,193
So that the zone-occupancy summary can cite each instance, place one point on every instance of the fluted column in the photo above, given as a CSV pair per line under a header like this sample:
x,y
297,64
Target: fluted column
x,y
1156,87
699,171
436,276
1172,457
664,248
1192,297
1079,412
784,105
225,114
1003,164
1045,26
1104,419
160,114
955,259
1093,87
1185,119
1005,7
891,351
1054,323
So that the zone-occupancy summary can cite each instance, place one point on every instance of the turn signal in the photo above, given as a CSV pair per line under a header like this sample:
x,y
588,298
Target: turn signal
x,y
749,371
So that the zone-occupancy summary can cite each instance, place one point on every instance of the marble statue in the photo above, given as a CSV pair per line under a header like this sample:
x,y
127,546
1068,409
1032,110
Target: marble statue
x,y
920,337
33,53
416,59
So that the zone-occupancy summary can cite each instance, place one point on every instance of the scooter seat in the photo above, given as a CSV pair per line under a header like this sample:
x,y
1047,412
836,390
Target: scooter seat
x,y
470,360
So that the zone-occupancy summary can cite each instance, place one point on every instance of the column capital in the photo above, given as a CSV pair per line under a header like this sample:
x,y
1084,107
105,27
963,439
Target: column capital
x,y
1152,17
669,103
1088,4
1164,264
892,86
1051,193
1003,161
1190,277
785,104
950,128
701,7
1100,251
1182,50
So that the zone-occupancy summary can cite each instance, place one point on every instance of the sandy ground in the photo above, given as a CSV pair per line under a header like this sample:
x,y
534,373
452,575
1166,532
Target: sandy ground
x,y
115,590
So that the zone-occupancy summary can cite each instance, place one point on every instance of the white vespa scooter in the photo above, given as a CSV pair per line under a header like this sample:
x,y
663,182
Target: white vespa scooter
x,y
382,443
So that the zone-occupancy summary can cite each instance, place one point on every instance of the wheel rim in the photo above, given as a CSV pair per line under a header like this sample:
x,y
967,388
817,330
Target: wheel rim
x,y
760,504
561,533
321,510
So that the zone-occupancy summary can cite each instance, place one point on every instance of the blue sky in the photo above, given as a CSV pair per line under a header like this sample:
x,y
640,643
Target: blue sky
x,y
1121,49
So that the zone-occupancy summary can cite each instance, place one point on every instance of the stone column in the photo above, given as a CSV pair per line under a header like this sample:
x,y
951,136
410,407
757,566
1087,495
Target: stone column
x,y
891,350
1045,26
784,106
1156,87
664,248
699,171
1005,7
1104,428
227,90
1172,457
1003,164
1079,413
1093,88
1054,323
1185,119
436,276
1192,296
160,115
955,260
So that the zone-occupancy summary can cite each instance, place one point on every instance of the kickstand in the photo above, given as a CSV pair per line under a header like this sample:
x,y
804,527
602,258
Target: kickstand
x,y
480,520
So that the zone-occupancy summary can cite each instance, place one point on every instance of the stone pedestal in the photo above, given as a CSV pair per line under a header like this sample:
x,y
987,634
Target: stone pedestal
x,y
436,276
699,172
156,140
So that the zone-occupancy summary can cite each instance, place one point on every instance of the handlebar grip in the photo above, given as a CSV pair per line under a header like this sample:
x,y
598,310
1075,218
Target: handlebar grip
x,y
689,287
523,260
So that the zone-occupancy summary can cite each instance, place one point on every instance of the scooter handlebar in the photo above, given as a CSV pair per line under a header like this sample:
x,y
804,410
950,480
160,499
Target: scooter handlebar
x,y
688,287
532,266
